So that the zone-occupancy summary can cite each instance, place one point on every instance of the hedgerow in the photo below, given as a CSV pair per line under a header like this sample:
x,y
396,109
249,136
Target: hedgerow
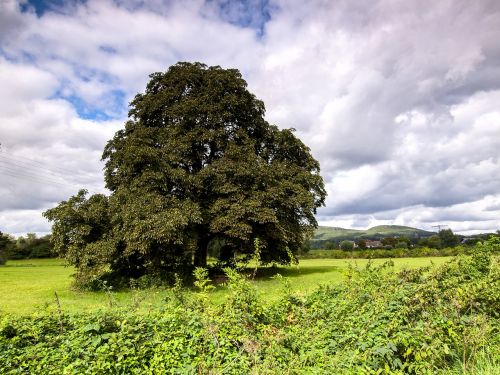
x,y
378,321
415,252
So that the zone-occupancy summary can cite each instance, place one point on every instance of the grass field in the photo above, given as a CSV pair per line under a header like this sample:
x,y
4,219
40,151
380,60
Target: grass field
x,y
378,322
27,285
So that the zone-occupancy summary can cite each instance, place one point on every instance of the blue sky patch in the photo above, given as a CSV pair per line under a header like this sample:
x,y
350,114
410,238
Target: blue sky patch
x,y
113,105
43,6
85,111
252,14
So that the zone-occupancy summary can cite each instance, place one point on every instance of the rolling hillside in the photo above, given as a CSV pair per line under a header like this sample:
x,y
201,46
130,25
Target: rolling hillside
x,y
336,234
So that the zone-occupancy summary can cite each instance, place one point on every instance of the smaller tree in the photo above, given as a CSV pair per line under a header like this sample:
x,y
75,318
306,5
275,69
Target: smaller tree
x,y
448,238
19,250
81,235
423,242
471,241
434,242
362,244
30,247
305,248
330,245
4,245
347,245
401,245
404,239
389,241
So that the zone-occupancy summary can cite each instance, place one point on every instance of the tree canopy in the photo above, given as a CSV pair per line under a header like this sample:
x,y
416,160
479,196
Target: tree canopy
x,y
448,238
4,242
197,168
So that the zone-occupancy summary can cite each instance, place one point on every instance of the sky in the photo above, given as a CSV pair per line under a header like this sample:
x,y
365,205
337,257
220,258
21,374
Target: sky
x,y
399,101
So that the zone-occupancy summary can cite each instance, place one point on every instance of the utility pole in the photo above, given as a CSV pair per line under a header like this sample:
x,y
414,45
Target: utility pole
x,y
439,226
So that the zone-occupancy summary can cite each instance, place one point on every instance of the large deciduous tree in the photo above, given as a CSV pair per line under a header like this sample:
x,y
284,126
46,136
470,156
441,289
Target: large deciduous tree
x,y
197,167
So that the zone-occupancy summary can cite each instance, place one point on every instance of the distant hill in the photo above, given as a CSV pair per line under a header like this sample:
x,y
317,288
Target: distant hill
x,y
336,234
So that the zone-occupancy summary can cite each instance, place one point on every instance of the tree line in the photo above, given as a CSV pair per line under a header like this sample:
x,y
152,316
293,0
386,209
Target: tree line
x,y
444,239
25,247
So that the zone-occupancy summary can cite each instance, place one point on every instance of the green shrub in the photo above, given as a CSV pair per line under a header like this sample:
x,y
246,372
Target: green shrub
x,y
347,245
4,244
414,252
379,321
30,247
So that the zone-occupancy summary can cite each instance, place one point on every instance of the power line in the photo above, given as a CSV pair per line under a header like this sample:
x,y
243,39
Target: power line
x,y
46,181
34,170
23,170
439,226
24,176
37,177
28,166
34,164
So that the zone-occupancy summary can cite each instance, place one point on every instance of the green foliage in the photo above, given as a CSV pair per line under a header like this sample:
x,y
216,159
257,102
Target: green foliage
x,y
4,243
31,247
399,252
80,234
361,244
401,245
432,242
256,256
330,245
196,166
36,280
379,321
491,245
448,239
390,241
346,245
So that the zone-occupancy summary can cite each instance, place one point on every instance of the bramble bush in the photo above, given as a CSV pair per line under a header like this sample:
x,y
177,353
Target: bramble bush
x,y
378,321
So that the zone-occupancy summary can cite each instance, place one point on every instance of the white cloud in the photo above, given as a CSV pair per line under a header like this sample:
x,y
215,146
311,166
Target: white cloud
x,y
398,100
47,152
21,221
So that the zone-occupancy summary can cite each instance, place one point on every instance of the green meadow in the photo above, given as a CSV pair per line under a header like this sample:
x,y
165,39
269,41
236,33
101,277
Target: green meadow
x,y
328,316
30,285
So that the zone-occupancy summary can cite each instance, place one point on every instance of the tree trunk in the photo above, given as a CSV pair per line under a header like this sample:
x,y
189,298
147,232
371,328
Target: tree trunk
x,y
200,255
